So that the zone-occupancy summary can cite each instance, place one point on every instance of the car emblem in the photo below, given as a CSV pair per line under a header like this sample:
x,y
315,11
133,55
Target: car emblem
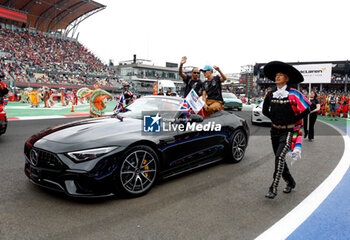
x,y
34,157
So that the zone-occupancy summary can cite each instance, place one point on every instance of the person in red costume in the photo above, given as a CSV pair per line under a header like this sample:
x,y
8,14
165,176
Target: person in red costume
x,y
345,106
47,94
323,101
75,97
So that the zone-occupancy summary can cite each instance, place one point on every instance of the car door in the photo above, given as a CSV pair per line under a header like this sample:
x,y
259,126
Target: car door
x,y
195,143
209,142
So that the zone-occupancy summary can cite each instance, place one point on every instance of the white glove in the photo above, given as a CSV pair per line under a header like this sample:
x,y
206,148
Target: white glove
x,y
293,157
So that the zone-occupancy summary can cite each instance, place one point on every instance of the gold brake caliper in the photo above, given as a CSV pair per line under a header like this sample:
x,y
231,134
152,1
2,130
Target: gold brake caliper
x,y
146,168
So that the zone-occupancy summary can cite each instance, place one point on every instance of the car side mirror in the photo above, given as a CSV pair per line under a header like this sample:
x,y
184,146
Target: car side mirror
x,y
192,118
195,118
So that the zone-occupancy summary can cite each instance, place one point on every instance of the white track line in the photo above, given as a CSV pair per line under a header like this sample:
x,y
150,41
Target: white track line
x,y
55,116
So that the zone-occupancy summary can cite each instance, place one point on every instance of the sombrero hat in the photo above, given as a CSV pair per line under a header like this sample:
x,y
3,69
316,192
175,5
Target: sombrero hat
x,y
274,67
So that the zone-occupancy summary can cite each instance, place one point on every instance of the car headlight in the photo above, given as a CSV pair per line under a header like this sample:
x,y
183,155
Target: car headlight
x,y
256,113
89,154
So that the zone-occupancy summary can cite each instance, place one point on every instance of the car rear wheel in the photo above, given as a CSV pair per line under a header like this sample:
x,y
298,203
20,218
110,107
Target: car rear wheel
x,y
137,171
238,145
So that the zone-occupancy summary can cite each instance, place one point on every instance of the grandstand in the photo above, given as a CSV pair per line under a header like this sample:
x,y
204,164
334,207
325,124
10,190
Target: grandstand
x,y
38,46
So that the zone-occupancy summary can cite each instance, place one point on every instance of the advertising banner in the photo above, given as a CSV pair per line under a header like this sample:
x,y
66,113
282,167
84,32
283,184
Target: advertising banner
x,y
316,73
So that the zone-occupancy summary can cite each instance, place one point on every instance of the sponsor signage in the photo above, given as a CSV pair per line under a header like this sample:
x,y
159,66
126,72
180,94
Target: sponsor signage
x,y
316,73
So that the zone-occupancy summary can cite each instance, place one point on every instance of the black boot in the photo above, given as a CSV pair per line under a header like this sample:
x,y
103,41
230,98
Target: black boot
x,y
289,188
270,195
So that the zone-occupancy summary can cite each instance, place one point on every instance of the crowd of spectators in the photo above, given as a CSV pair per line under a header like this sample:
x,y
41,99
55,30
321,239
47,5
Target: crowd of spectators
x,y
37,57
14,70
75,79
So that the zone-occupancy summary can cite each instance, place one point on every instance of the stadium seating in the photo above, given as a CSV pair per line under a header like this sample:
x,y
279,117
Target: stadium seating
x,y
40,58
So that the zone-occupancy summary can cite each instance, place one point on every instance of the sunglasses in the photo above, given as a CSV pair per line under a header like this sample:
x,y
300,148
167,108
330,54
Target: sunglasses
x,y
196,72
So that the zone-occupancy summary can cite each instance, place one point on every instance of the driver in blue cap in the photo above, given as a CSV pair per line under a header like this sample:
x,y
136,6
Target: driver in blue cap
x,y
211,95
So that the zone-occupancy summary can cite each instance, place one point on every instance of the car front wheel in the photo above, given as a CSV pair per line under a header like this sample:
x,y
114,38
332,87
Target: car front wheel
x,y
238,145
137,171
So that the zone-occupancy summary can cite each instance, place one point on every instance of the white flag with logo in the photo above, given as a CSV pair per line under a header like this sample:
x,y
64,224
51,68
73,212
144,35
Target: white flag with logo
x,y
194,101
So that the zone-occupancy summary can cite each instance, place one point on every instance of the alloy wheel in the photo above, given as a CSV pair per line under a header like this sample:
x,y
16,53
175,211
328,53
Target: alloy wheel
x,y
138,172
239,143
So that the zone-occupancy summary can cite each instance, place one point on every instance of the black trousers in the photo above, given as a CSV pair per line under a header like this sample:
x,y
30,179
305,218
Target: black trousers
x,y
309,127
281,141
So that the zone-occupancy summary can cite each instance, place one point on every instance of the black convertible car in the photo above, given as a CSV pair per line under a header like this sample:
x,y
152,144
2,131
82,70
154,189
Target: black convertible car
x,y
119,155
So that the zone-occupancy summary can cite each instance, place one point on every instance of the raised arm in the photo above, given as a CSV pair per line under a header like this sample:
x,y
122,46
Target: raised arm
x,y
182,62
223,76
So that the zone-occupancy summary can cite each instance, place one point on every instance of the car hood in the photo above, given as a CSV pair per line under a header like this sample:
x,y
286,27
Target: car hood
x,y
87,134
95,129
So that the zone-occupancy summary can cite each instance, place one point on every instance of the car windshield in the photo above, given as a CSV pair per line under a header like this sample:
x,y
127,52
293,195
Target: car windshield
x,y
152,105
229,95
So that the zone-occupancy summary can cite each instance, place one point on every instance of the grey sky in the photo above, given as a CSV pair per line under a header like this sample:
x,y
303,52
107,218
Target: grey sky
x,y
224,33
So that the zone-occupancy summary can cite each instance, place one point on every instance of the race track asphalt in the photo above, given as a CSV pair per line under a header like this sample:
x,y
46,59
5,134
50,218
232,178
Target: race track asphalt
x,y
222,201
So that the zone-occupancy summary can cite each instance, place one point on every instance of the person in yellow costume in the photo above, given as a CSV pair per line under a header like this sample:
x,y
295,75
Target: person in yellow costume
x,y
33,98
39,96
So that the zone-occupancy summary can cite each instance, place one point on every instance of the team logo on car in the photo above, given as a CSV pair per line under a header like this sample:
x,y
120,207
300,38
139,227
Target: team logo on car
x,y
152,123
34,157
